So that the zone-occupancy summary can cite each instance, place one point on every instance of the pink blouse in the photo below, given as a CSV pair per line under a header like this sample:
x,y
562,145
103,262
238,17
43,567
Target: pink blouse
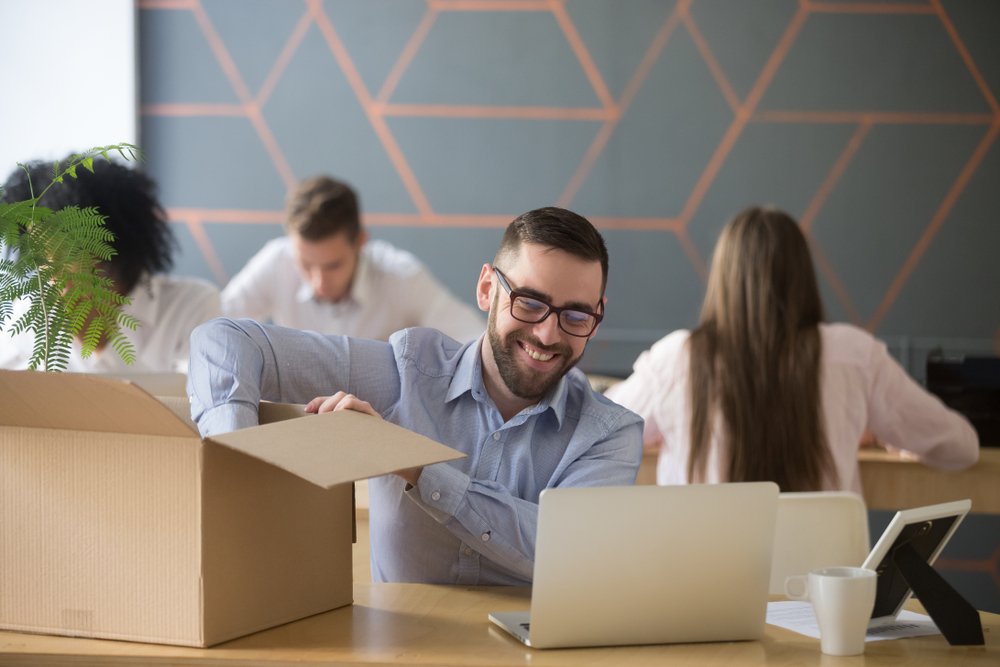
x,y
863,388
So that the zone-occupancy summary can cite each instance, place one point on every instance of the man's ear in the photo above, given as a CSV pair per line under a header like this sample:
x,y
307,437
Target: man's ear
x,y
361,239
484,288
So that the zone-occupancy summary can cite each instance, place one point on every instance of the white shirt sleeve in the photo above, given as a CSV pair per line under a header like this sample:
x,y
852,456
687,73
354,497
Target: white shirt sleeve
x,y
655,391
905,415
251,292
202,304
442,310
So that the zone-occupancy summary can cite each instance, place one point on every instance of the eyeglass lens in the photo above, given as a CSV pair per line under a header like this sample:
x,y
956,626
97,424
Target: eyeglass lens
x,y
530,310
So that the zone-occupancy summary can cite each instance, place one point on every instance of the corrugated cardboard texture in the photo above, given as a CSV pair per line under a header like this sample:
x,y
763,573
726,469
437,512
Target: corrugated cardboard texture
x,y
95,541
83,402
180,406
304,449
118,521
276,548
156,384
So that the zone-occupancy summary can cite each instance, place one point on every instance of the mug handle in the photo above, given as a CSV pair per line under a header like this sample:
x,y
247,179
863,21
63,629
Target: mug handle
x,y
793,583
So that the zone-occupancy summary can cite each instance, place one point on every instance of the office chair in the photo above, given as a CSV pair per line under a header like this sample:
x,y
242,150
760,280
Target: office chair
x,y
817,529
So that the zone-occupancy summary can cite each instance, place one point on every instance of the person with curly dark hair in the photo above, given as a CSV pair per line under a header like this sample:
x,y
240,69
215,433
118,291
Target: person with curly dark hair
x,y
167,307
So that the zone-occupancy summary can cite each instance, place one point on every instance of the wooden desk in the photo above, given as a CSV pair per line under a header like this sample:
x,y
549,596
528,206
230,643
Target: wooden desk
x,y
893,482
417,624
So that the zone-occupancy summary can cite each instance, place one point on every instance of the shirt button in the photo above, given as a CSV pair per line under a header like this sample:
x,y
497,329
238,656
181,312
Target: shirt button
x,y
485,537
436,495
496,436
468,551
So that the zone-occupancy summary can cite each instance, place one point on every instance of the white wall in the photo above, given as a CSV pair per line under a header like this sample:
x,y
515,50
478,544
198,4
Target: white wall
x,y
68,78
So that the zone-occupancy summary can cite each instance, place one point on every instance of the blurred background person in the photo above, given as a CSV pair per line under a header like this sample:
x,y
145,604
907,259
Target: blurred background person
x,y
764,389
325,275
167,307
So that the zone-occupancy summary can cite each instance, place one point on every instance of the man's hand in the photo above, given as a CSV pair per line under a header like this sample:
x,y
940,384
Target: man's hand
x,y
341,401
344,401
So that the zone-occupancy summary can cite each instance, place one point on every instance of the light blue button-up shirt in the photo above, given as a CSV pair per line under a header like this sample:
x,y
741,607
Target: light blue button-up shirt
x,y
470,521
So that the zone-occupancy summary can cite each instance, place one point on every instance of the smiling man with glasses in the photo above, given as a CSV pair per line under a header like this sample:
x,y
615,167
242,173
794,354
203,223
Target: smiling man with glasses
x,y
511,401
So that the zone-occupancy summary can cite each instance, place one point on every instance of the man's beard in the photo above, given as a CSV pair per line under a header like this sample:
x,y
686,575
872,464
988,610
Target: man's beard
x,y
526,383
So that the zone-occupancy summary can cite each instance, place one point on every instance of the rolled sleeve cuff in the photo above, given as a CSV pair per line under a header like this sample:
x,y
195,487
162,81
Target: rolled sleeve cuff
x,y
441,489
226,418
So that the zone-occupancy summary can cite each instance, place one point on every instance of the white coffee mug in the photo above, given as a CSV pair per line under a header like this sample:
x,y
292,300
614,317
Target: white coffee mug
x,y
843,599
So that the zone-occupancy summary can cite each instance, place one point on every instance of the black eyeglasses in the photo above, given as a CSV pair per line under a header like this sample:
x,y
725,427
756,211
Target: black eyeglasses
x,y
532,310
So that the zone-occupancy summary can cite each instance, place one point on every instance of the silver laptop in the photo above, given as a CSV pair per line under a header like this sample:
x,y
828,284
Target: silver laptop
x,y
649,565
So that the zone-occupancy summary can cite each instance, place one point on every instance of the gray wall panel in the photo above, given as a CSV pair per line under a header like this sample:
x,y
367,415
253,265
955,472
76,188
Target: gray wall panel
x,y
874,63
659,120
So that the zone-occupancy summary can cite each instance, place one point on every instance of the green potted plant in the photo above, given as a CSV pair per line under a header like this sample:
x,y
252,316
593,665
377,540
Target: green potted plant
x,y
51,283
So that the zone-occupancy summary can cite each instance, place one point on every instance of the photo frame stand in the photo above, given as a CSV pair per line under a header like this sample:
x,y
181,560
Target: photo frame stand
x,y
957,620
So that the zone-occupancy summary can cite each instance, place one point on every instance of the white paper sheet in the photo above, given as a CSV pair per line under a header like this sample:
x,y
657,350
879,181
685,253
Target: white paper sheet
x,y
799,617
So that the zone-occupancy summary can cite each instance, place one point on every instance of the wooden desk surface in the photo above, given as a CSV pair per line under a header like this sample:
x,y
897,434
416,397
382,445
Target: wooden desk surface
x,y
417,624
892,481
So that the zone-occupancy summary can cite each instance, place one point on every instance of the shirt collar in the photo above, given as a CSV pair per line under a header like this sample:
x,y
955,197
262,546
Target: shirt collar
x,y
469,378
468,375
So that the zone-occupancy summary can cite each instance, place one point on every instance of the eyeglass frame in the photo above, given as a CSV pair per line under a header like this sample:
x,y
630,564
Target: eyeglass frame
x,y
513,294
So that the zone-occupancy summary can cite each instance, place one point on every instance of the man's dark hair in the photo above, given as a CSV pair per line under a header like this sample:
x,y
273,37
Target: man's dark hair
x,y
126,197
557,228
321,207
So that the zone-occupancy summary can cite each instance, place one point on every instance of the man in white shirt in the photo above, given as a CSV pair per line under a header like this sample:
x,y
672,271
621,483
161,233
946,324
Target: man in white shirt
x,y
167,307
326,276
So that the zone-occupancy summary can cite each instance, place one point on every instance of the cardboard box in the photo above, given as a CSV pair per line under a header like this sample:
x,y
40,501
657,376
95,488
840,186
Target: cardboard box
x,y
118,521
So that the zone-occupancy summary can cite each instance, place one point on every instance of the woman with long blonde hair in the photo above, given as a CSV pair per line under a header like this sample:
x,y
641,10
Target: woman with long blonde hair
x,y
763,389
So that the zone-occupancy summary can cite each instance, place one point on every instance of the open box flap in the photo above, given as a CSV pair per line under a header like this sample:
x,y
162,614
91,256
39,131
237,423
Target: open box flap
x,y
83,402
337,447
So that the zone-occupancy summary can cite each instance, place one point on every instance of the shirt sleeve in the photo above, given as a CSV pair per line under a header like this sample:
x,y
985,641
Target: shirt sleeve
x,y
644,392
234,364
250,293
201,304
503,527
908,417
442,310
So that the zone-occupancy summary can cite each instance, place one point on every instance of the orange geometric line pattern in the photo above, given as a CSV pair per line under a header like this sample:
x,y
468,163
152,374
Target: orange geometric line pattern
x,y
966,57
989,565
867,8
743,113
377,108
881,117
522,113
638,77
284,58
580,51
935,225
713,65
378,122
839,167
406,57
491,5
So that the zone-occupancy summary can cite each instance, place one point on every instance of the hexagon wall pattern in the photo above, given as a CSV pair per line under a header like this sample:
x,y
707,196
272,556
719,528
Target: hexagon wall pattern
x,y
875,123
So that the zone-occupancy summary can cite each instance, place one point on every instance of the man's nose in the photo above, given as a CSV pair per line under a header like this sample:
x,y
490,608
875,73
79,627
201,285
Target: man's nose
x,y
316,280
547,331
